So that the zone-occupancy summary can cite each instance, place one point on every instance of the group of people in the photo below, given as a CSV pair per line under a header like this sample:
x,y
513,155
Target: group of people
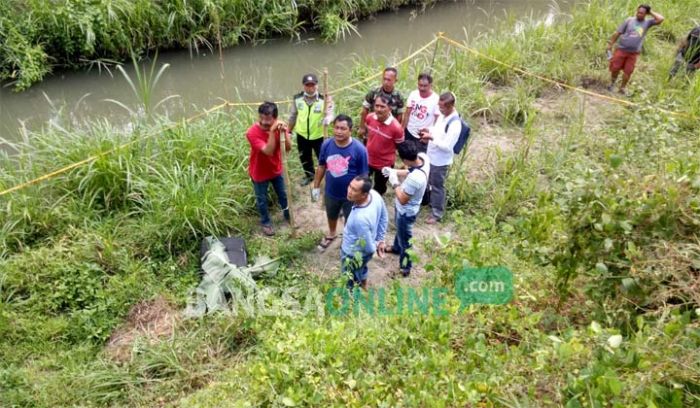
x,y
629,38
359,171
424,129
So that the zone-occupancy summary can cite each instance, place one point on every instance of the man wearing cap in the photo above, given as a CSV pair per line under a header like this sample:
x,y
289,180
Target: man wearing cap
x,y
306,119
396,101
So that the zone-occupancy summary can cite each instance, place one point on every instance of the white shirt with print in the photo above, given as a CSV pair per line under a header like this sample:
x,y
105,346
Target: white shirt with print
x,y
423,111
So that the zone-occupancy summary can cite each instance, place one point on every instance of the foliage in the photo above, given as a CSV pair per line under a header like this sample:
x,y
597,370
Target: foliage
x,y
595,209
39,35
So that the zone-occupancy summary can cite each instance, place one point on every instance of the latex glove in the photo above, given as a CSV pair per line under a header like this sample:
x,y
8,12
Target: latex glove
x,y
386,171
315,194
393,178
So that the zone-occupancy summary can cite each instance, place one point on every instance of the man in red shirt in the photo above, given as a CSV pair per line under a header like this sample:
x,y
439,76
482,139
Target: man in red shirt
x,y
265,165
384,132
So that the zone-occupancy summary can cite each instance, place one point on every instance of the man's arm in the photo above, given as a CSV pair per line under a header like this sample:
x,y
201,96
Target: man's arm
x,y
362,129
318,177
383,223
271,144
406,116
658,18
401,196
293,116
613,39
287,139
400,108
447,142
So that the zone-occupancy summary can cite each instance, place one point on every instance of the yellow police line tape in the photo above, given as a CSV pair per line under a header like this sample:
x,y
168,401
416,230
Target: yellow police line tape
x,y
72,166
439,36
479,54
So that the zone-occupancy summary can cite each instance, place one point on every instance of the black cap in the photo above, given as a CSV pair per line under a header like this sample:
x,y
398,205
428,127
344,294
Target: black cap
x,y
309,78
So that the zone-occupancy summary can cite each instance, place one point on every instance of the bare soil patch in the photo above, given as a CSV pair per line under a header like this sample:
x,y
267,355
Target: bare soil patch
x,y
150,320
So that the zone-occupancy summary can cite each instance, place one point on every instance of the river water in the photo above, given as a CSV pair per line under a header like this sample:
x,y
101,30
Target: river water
x,y
271,71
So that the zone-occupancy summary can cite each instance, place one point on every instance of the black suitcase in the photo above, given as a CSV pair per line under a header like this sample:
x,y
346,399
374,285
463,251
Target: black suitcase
x,y
235,250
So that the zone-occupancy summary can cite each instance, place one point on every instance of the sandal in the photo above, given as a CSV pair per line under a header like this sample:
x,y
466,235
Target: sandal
x,y
326,242
268,230
390,250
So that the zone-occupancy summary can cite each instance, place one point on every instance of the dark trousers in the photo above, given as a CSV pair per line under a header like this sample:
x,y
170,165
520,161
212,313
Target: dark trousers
x,y
261,198
379,181
355,267
307,148
408,137
402,241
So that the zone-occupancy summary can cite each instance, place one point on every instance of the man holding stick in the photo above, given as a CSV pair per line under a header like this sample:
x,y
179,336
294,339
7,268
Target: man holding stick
x,y
265,162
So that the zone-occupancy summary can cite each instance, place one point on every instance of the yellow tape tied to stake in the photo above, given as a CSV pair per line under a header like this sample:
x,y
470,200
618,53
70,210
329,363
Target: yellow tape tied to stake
x,y
439,37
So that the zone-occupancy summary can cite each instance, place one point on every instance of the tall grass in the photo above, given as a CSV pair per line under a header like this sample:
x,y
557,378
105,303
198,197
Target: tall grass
x,y
596,215
38,35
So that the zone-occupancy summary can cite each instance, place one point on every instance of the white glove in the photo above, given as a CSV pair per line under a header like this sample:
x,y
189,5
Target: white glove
x,y
393,178
315,194
386,171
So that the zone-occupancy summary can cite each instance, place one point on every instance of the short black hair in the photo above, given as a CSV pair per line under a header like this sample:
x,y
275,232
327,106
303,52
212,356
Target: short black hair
x,y
645,7
366,183
408,151
426,76
383,97
448,97
343,118
392,69
268,108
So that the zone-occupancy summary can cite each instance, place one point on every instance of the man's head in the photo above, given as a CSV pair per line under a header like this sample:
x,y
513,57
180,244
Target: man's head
x,y
389,79
408,152
642,11
267,114
446,103
358,189
310,81
382,108
425,84
342,128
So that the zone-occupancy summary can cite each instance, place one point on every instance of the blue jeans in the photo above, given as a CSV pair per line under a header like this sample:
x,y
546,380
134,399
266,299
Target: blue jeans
x,y
261,198
402,240
349,265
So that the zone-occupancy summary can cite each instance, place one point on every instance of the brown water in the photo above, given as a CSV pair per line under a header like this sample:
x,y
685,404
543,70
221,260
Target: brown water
x,y
270,71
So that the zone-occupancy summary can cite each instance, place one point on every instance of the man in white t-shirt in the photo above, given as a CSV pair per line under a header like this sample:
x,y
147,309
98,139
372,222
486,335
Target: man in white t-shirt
x,y
421,112
442,138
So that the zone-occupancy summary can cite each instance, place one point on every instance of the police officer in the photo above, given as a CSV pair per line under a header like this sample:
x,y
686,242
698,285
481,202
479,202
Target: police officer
x,y
306,120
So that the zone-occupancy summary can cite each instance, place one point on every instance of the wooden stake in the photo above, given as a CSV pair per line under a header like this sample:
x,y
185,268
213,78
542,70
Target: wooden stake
x,y
287,181
325,102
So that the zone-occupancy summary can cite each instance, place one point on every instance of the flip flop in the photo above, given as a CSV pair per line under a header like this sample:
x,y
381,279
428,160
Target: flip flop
x,y
326,242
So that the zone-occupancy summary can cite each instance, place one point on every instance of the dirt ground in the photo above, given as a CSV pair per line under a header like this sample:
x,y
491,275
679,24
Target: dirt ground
x,y
155,319
488,143
483,150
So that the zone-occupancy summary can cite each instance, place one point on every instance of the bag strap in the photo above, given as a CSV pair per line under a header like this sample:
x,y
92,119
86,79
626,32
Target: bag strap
x,y
452,119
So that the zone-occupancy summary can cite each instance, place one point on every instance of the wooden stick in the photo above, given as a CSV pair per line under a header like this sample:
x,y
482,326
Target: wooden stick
x,y
287,181
325,102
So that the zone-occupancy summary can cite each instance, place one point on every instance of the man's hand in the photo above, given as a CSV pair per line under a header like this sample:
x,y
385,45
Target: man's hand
x,y
361,132
393,178
381,249
315,194
281,126
392,175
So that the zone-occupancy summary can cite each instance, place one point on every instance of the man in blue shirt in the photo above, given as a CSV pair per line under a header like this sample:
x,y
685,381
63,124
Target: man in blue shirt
x,y
341,159
364,231
408,199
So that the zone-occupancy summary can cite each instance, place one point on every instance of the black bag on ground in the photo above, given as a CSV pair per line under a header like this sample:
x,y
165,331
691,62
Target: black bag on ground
x,y
234,246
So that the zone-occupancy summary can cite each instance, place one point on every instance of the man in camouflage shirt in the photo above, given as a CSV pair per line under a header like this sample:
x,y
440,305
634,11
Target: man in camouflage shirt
x,y
396,101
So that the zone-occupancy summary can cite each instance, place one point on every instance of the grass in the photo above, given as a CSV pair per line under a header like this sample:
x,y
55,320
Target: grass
x,y
595,211
39,35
